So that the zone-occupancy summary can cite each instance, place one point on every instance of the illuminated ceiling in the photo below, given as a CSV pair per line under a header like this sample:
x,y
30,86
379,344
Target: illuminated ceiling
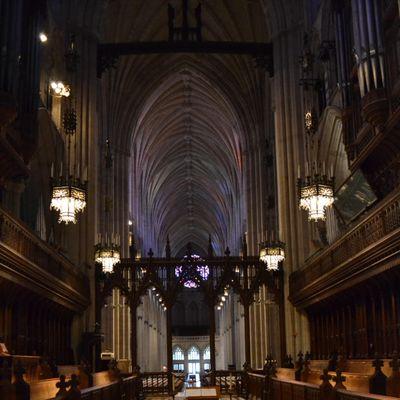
x,y
189,123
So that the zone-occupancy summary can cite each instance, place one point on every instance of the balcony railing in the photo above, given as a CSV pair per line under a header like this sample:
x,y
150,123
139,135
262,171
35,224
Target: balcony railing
x,y
27,258
367,246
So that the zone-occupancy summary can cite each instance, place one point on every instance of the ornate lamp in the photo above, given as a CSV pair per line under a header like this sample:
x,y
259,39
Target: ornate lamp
x,y
107,253
272,253
316,193
68,197
108,249
69,191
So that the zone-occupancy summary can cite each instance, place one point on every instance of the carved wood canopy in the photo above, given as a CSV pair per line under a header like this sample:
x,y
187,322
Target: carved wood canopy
x,y
244,275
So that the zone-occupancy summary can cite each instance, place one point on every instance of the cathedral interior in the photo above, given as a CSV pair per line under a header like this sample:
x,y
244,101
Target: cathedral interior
x,y
200,199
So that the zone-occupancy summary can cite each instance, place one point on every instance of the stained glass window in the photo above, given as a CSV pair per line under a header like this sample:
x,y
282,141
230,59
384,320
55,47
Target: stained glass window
x,y
203,271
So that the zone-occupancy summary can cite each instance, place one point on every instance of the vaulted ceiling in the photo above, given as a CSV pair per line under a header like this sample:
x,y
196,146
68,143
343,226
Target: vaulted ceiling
x,y
189,122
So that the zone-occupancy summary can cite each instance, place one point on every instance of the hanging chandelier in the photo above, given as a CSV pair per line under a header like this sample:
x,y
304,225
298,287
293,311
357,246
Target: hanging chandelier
x,y
69,191
108,252
315,194
108,249
272,253
68,197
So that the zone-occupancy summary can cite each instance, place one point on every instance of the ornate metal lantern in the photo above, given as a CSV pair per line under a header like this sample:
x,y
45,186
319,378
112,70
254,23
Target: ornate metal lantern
x,y
68,197
108,249
69,192
108,254
272,253
316,193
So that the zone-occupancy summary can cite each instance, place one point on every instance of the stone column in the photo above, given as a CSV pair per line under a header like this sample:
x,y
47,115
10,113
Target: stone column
x,y
290,152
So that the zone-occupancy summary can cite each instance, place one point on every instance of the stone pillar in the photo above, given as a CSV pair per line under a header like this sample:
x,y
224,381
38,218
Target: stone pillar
x,y
212,341
290,152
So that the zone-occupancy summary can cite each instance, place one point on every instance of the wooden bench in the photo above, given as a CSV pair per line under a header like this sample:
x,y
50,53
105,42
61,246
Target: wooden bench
x,y
293,390
103,378
357,375
44,389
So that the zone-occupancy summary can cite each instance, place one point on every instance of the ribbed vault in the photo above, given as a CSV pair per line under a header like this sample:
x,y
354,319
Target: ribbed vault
x,y
191,124
188,154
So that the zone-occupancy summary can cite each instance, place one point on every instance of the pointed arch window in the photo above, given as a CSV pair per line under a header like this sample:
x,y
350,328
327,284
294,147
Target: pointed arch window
x,y
206,353
178,354
194,353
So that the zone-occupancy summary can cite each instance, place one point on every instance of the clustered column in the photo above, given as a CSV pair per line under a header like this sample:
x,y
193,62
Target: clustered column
x,y
151,334
290,151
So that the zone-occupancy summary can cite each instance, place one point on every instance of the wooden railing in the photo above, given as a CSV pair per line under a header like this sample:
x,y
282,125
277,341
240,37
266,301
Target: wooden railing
x,y
361,248
155,382
231,382
256,386
26,256
178,381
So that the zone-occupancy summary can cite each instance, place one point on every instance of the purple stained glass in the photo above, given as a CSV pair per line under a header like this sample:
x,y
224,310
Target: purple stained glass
x,y
203,271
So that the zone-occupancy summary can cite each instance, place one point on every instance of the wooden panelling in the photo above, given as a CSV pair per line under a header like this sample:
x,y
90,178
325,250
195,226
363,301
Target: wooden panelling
x,y
33,264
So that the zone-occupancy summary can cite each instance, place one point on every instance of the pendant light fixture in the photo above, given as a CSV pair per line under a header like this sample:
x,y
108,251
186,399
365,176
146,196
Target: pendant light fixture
x,y
69,187
107,249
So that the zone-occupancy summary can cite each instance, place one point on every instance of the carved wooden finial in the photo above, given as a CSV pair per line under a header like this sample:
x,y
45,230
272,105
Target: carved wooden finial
x,y
150,253
62,385
227,251
74,393
299,366
377,382
325,377
288,361
393,382
339,379
21,388
394,363
300,358
325,388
